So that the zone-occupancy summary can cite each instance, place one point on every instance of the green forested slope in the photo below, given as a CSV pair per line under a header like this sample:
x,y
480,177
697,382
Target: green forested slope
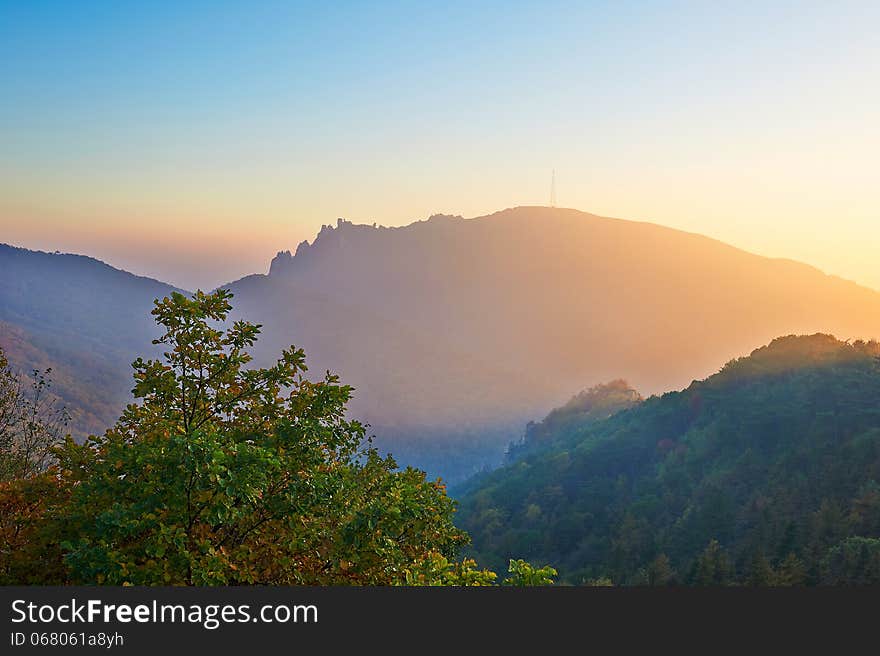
x,y
766,472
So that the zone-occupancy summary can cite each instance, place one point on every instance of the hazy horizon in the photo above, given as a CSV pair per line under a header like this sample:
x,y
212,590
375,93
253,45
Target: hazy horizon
x,y
190,143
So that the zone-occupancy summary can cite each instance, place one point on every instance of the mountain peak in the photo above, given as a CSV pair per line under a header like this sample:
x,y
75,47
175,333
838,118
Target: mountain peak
x,y
791,352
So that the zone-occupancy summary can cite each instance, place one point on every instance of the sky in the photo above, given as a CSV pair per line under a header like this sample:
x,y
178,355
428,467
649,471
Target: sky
x,y
192,141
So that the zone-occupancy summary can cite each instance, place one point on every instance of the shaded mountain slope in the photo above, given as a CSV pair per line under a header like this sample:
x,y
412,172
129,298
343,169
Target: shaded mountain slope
x,y
85,319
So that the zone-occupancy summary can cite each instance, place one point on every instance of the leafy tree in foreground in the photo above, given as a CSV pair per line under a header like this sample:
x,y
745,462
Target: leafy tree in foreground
x,y
226,475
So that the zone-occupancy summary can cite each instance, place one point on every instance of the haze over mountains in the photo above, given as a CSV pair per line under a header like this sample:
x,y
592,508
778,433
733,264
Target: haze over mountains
x,y
456,331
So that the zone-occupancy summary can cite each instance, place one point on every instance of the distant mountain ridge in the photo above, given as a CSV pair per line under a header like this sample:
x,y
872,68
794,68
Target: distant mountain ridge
x,y
456,331
85,319
453,322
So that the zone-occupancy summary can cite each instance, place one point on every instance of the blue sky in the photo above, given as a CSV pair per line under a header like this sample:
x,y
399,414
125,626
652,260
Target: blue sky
x,y
190,141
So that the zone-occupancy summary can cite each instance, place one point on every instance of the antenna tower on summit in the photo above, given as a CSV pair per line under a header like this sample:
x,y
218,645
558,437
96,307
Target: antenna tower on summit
x,y
553,189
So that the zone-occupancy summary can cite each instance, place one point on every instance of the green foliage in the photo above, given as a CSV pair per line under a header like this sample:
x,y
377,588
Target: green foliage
x,y
660,572
790,572
437,570
854,561
712,567
524,574
758,475
760,572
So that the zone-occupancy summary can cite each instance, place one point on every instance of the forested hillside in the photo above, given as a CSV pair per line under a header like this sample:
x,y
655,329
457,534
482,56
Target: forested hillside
x,y
766,472
84,319
586,407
